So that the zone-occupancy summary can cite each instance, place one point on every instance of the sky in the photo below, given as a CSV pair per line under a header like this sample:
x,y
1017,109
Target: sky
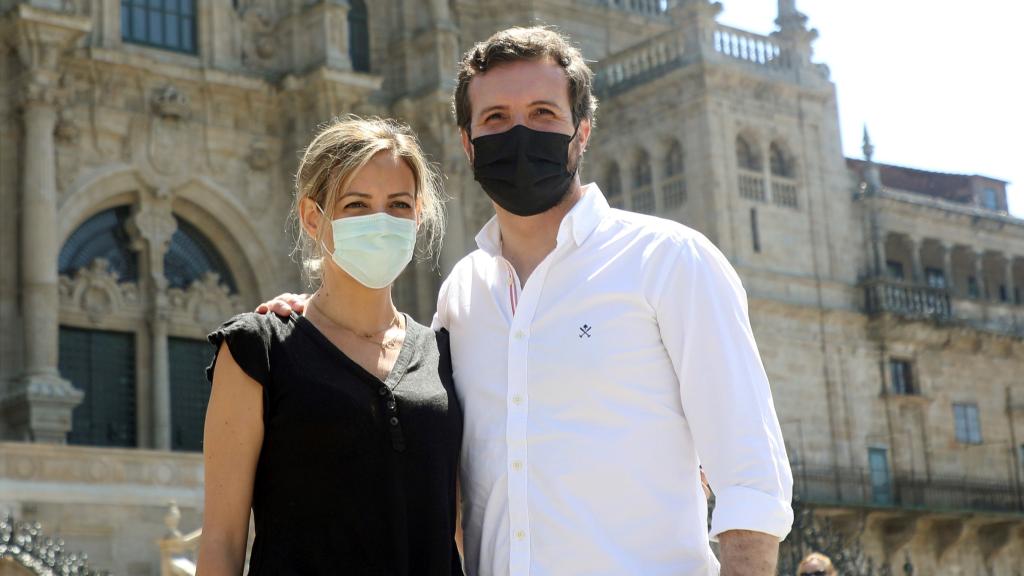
x,y
939,83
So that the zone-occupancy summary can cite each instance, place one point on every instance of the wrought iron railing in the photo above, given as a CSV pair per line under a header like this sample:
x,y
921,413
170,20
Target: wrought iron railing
x,y
854,487
885,295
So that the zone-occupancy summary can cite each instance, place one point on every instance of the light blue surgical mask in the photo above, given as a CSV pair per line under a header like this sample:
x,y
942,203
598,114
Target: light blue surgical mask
x,y
373,249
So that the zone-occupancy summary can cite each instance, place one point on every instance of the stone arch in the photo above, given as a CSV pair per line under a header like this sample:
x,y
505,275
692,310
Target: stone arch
x,y
641,173
781,159
205,204
748,151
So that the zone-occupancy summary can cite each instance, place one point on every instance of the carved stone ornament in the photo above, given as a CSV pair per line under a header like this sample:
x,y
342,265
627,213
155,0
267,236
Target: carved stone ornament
x,y
259,156
67,130
207,302
96,291
153,222
25,544
170,103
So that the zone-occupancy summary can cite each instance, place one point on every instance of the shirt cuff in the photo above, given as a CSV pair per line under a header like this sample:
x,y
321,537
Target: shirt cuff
x,y
742,508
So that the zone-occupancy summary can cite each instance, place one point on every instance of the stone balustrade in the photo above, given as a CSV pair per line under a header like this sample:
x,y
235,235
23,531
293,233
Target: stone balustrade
x,y
639,62
748,47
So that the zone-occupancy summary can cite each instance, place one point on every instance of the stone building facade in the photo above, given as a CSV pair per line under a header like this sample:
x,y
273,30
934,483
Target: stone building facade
x,y
146,157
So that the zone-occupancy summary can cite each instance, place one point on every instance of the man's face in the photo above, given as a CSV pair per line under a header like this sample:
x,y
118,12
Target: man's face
x,y
534,93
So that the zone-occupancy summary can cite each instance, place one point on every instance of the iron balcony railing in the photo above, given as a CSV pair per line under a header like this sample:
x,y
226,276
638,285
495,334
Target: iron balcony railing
x,y
860,487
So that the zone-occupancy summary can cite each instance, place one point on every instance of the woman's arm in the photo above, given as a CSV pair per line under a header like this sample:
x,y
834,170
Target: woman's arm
x,y
232,440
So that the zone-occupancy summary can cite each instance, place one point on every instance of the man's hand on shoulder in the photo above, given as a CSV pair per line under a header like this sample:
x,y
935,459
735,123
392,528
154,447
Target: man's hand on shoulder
x,y
748,553
284,304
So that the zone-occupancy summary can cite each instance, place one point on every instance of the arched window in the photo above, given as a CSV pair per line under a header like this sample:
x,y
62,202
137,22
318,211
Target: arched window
x,y
779,161
643,194
674,187
103,363
674,159
642,170
613,186
747,157
359,35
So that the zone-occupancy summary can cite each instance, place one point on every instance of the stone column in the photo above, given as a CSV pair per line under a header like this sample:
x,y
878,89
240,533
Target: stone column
x,y
979,273
152,226
39,406
916,269
1009,283
947,267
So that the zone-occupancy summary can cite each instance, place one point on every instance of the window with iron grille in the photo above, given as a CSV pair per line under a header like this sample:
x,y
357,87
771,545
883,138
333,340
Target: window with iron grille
x,y
902,377
935,277
190,391
166,24
191,255
359,35
895,269
967,423
102,365
101,236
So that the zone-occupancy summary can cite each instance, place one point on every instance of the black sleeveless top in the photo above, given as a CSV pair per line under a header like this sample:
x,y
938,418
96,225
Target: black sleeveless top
x,y
356,476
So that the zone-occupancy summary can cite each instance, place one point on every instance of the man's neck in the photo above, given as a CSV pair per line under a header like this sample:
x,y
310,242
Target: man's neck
x,y
527,240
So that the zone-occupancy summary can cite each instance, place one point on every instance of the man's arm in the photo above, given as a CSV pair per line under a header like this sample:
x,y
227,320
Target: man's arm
x,y
284,304
702,315
744,552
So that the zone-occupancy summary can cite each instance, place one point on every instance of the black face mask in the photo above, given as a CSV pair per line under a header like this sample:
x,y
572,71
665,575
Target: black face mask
x,y
524,171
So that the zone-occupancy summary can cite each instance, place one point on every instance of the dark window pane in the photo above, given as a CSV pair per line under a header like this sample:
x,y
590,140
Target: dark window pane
x,y
187,7
125,20
156,33
138,24
171,25
190,391
187,28
101,236
102,365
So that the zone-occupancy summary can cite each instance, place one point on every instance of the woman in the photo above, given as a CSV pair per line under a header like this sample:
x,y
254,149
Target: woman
x,y
816,564
340,428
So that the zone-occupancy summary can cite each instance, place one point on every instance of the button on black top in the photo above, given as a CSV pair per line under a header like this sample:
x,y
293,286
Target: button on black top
x,y
343,487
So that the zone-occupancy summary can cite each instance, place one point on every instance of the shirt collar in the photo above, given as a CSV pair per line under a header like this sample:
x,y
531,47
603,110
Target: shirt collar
x,y
580,222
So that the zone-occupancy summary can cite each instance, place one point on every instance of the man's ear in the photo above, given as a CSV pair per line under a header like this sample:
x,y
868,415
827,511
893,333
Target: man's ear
x,y
584,134
467,144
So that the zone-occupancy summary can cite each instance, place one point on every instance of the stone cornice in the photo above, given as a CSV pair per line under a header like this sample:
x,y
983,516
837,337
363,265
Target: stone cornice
x,y
41,36
970,214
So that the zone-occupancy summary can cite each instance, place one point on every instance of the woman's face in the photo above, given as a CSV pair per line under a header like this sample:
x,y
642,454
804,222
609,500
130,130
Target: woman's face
x,y
385,184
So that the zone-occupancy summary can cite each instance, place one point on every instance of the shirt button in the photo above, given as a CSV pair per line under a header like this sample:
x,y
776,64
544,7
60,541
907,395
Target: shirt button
x,y
520,335
383,391
517,466
393,421
520,535
392,405
517,399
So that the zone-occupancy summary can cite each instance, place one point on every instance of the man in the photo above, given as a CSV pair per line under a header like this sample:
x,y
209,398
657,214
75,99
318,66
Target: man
x,y
600,356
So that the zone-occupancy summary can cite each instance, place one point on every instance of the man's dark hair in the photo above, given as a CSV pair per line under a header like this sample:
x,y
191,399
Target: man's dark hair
x,y
516,44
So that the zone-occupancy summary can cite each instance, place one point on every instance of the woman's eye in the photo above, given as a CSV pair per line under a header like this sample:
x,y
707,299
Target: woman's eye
x,y
402,205
356,205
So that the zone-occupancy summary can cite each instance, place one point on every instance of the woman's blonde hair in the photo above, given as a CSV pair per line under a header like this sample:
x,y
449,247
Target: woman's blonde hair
x,y
825,561
339,150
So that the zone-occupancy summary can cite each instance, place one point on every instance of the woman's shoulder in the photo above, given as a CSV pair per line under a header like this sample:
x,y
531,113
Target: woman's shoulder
x,y
266,327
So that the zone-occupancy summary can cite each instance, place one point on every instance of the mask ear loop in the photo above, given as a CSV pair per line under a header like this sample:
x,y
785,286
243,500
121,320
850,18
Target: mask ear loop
x,y
324,214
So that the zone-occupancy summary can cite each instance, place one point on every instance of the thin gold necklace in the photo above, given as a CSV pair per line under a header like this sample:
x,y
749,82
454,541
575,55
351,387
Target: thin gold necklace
x,y
384,343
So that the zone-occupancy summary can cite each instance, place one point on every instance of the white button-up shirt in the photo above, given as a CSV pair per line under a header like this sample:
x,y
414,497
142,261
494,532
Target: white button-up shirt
x,y
592,394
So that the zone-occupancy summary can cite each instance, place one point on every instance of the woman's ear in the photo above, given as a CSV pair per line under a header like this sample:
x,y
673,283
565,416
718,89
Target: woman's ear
x,y
311,216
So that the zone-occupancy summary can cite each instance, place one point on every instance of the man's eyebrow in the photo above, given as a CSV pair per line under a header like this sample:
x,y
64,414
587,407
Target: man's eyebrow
x,y
490,109
551,103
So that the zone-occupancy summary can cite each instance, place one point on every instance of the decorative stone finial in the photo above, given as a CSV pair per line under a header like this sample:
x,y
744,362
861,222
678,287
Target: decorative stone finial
x,y
868,147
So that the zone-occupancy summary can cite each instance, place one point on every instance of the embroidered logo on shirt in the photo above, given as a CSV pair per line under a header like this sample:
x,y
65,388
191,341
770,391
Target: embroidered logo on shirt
x,y
585,330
